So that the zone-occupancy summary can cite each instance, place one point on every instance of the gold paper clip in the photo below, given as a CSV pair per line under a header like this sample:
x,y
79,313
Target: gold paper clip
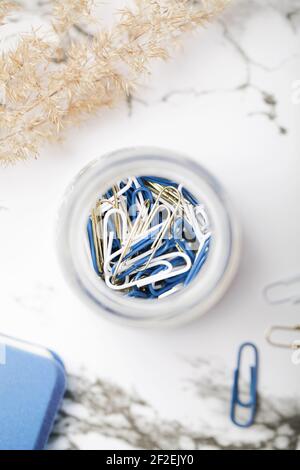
x,y
293,345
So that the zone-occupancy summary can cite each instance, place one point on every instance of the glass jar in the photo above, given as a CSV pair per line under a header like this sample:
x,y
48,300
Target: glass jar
x,y
189,302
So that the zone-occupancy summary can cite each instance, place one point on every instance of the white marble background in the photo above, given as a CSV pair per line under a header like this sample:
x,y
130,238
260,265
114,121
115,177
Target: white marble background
x,y
228,100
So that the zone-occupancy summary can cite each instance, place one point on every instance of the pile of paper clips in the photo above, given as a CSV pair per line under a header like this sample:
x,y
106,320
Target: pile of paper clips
x,y
148,237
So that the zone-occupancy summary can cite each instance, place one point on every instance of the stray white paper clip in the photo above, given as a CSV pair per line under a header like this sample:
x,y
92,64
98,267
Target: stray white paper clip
x,y
2,354
284,291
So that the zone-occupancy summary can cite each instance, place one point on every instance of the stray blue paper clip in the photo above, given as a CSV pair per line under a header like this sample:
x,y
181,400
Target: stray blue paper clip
x,y
236,400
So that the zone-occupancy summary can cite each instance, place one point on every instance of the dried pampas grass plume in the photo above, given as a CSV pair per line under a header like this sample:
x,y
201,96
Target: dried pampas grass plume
x,y
5,8
47,84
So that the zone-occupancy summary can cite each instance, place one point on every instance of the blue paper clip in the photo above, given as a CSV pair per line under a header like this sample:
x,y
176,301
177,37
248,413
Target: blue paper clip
x,y
235,399
142,189
148,195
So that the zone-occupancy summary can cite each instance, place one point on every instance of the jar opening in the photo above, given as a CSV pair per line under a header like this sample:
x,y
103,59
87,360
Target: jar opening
x,y
148,237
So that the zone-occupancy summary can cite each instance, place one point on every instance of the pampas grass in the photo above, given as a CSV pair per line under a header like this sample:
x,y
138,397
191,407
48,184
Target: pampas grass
x,y
49,83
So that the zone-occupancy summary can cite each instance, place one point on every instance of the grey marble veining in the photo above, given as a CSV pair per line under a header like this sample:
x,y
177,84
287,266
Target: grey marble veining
x,y
231,26
100,407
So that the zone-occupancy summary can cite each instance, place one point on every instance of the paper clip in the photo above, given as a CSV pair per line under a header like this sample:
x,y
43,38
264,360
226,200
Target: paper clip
x,y
167,182
92,244
291,345
236,400
141,190
285,291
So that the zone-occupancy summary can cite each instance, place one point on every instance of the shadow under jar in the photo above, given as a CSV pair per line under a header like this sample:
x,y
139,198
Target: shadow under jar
x,y
189,301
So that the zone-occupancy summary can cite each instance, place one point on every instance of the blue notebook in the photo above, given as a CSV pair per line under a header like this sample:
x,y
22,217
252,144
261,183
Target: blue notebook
x,y
32,385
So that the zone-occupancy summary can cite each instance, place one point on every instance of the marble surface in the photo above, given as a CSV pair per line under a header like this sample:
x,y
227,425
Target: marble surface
x,y
231,100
